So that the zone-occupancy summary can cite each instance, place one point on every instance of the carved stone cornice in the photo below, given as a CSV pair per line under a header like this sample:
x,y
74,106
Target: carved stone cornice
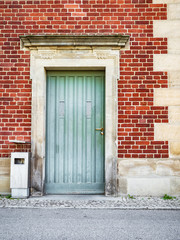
x,y
75,41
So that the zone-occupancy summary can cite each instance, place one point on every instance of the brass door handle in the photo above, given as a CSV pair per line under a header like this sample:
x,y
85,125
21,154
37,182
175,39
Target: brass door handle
x,y
100,129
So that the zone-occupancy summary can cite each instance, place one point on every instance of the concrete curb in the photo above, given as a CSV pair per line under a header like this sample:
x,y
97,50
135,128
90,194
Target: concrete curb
x,y
138,203
96,208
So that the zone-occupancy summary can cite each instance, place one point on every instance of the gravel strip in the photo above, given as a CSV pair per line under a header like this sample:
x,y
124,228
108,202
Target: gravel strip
x,y
115,203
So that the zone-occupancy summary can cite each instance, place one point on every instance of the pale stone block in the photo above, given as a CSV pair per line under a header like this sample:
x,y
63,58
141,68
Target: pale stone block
x,y
175,149
174,11
149,186
168,62
148,167
122,185
5,185
174,114
175,186
135,167
166,28
20,193
174,79
153,186
168,167
166,1
166,97
174,45
4,166
38,105
4,175
166,132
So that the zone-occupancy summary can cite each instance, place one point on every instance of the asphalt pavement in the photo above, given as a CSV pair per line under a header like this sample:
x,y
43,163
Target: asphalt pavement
x,y
63,224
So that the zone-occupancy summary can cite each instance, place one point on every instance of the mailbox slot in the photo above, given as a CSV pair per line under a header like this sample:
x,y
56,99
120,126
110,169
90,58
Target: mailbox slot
x,y
19,161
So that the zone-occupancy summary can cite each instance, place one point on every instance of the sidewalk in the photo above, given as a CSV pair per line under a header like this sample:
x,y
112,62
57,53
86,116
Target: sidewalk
x,y
92,202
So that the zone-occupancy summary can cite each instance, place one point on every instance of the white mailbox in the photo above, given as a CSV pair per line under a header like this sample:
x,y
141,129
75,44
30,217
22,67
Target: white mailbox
x,y
19,180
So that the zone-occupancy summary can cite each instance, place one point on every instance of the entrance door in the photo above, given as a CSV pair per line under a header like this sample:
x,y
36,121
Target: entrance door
x,y
75,132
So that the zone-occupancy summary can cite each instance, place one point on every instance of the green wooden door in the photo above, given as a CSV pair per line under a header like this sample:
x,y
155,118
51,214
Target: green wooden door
x,y
74,148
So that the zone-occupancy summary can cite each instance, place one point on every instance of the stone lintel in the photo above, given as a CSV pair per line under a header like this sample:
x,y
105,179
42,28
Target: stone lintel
x,y
110,41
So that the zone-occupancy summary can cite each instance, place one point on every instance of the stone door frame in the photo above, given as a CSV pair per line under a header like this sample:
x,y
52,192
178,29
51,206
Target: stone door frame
x,y
89,57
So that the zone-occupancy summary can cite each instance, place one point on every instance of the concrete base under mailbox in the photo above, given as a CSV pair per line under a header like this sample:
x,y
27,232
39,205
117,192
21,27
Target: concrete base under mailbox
x,y
20,192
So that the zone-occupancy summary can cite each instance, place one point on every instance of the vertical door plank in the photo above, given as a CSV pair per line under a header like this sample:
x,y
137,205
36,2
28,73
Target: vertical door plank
x,y
61,127
51,130
89,129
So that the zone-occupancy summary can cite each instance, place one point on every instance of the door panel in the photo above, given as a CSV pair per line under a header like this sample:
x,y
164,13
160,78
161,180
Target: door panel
x,y
74,149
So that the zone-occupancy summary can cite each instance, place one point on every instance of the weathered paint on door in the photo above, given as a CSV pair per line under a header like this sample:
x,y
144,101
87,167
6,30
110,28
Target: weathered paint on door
x,y
74,148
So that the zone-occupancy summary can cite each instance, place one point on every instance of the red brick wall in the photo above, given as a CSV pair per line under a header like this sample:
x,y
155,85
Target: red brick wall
x,y
136,112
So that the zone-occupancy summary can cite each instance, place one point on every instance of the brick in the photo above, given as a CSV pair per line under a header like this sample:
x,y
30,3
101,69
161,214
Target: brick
x,y
78,14
71,6
137,111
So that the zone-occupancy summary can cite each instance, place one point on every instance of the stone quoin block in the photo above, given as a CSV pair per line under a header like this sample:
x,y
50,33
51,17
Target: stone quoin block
x,y
174,11
174,45
174,79
167,132
175,149
169,62
167,97
167,28
174,114
165,1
